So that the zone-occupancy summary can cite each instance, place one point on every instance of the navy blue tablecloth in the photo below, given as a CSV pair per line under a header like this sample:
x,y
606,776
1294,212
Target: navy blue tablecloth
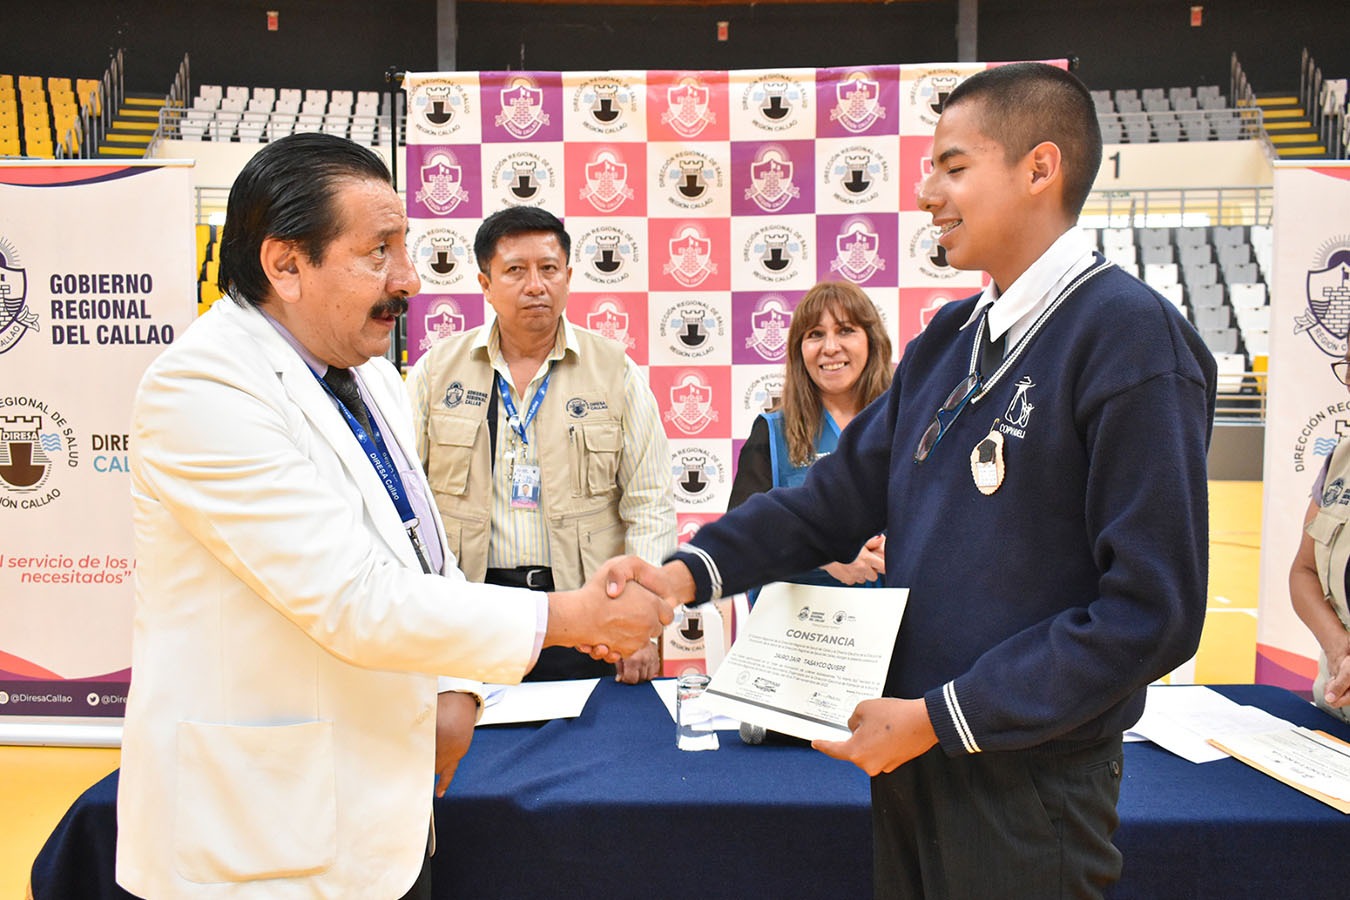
x,y
604,803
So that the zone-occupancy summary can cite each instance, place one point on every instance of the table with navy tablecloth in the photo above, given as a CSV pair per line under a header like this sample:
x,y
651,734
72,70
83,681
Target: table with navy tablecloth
x,y
605,803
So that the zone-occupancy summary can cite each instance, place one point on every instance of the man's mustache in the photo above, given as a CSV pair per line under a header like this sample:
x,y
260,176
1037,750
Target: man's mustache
x,y
392,306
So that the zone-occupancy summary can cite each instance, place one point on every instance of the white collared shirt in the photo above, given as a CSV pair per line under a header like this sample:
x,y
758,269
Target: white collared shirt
x,y
1015,309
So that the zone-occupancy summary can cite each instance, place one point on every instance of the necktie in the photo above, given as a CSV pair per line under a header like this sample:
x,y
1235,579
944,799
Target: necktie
x,y
991,351
343,383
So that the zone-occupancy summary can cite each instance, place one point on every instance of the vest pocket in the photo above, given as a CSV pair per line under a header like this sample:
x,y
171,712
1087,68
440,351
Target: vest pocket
x,y
451,453
602,445
254,801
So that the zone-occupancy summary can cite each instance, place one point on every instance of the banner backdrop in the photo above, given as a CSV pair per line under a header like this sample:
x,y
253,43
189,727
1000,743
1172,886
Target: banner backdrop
x,y
1308,409
95,279
701,206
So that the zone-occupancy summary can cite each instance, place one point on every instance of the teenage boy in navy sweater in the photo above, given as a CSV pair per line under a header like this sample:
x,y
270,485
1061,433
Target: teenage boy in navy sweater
x,y
1046,507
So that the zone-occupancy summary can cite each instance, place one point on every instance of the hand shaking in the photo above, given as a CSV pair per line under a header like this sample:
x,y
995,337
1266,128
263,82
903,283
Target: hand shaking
x,y
618,611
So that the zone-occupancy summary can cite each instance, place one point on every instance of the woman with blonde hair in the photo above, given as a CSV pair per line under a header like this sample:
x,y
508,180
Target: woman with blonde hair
x,y
839,360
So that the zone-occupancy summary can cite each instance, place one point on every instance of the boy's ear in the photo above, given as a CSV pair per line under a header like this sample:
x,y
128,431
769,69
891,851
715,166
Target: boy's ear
x,y
281,264
1046,166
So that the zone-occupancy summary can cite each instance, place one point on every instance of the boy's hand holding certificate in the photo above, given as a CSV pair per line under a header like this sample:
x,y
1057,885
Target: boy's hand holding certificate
x,y
807,656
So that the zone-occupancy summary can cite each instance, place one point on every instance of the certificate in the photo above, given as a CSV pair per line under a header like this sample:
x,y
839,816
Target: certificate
x,y
806,656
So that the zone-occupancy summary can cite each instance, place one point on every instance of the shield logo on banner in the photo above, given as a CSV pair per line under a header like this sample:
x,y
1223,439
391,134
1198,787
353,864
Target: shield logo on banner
x,y
609,320
443,260
1327,317
607,258
604,109
606,183
691,405
691,326
23,462
775,106
522,109
776,256
16,319
769,329
438,110
857,103
855,179
771,186
691,183
443,320
926,313
525,185
441,191
856,253
690,258
688,112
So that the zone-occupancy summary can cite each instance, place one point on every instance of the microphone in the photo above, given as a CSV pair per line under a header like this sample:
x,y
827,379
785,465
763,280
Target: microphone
x,y
758,734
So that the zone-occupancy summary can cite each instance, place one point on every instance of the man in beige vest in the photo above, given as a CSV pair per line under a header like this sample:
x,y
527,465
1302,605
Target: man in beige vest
x,y
542,441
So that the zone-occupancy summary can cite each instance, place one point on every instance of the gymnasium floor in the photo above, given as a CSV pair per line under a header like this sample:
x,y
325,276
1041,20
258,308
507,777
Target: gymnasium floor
x,y
37,784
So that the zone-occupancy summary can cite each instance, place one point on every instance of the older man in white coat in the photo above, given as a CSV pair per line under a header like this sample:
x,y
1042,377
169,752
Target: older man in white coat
x,y
294,595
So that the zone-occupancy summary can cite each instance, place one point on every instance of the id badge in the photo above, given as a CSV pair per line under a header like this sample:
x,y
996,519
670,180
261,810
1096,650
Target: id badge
x,y
525,487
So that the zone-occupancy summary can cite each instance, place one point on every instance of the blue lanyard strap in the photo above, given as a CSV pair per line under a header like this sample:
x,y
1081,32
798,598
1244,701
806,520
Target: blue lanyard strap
x,y
513,419
378,453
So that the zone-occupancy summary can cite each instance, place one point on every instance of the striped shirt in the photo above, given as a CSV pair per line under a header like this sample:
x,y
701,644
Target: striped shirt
x,y
519,535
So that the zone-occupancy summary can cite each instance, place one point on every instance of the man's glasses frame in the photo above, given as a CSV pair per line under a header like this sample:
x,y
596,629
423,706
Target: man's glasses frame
x,y
943,418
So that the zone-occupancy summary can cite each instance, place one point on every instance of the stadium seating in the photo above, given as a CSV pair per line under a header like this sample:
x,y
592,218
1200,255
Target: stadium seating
x,y
1212,274
1156,114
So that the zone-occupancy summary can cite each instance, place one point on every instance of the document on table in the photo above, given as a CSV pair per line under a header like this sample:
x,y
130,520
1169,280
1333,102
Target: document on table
x,y
806,656
1182,720
1309,761
535,701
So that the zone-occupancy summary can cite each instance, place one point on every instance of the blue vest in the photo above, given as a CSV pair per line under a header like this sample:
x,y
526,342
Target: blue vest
x,y
785,474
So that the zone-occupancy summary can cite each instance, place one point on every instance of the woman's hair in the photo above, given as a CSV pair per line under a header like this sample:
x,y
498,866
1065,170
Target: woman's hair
x,y
801,398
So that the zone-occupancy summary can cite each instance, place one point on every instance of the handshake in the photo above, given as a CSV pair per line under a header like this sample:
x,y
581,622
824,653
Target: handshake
x,y
620,609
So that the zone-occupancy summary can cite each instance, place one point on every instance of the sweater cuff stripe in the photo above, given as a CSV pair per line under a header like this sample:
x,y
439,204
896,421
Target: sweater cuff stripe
x,y
714,576
959,718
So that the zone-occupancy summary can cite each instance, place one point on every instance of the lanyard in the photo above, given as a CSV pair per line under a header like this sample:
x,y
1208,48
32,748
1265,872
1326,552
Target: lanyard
x,y
512,417
378,453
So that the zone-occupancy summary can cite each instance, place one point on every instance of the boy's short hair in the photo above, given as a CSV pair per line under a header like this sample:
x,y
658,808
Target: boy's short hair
x,y
1023,104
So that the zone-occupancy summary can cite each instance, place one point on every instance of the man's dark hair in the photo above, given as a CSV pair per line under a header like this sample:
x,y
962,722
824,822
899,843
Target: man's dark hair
x,y
1023,104
286,191
512,221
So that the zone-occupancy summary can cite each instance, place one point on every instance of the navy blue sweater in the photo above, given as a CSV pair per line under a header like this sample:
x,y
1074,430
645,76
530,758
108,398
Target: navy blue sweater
x,y
1038,614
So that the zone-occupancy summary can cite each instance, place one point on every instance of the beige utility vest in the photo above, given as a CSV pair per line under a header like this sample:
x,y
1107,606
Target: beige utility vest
x,y
1331,547
578,431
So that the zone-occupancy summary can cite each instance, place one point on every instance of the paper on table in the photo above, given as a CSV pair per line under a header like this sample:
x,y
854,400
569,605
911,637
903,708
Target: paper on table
x,y
1309,761
665,689
1183,719
535,701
